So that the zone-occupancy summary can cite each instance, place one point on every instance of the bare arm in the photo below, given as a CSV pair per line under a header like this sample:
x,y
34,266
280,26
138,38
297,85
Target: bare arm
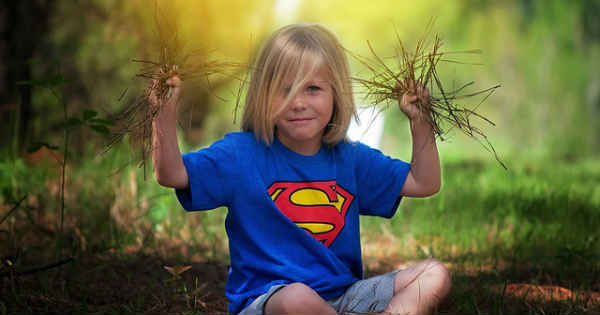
x,y
424,178
169,169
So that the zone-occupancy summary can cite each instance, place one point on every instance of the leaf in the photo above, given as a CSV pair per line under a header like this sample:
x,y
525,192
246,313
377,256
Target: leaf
x,y
3,309
51,147
38,145
177,270
56,80
89,114
34,147
30,82
73,122
33,61
102,121
100,129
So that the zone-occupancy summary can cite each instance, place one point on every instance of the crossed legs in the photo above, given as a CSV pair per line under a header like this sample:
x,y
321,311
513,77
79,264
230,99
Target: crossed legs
x,y
417,290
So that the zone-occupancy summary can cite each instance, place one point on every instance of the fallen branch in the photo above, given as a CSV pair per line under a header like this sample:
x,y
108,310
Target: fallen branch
x,y
13,209
36,269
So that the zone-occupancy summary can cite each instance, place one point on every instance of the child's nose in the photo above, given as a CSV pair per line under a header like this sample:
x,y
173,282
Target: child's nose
x,y
298,102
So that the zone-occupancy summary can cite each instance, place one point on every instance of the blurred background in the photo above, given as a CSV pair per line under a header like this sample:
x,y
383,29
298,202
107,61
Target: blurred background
x,y
66,63
544,55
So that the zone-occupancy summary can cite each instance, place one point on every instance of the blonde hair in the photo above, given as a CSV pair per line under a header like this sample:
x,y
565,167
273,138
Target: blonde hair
x,y
299,50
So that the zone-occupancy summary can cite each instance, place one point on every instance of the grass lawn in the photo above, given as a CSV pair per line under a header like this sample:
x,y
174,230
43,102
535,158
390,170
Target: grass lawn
x,y
523,241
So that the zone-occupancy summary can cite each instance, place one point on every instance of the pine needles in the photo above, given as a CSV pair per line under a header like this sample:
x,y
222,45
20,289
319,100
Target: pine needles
x,y
135,120
386,85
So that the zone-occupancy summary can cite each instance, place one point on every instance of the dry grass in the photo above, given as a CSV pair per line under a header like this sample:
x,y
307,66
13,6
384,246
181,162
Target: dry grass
x,y
444,110
135,119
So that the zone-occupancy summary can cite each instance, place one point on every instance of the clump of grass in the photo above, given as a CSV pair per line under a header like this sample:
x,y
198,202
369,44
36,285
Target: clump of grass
x,y
135,120
443,111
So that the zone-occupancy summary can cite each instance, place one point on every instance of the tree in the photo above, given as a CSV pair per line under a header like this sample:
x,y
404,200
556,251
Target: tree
x,y
25,26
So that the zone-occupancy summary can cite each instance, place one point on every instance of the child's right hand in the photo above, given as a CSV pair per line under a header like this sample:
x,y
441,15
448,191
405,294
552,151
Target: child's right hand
x,y
408,101
173,95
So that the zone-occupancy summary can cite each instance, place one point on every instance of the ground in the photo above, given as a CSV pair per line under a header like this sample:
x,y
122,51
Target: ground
x,y
140,284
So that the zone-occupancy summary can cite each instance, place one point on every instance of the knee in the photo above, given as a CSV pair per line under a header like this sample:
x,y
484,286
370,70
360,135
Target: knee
x,y
295,298
300,292
438,276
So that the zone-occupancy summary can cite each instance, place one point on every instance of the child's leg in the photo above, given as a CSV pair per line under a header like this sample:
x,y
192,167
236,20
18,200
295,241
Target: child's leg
x,y
297,298
419,288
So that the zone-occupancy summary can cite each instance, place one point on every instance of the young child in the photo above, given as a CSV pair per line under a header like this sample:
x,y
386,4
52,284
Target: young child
x,y
295,186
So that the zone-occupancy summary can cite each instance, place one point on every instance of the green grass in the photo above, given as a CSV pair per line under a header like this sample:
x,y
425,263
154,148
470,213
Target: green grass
x,y
539,209
536,224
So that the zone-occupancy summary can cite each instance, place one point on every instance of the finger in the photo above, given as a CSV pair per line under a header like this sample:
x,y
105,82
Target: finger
x,y
410,98
421,94
173,81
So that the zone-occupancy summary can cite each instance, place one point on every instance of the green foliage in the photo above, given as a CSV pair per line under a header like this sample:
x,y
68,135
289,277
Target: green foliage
x,y
89,120
17,180
55,81
542,53
539,56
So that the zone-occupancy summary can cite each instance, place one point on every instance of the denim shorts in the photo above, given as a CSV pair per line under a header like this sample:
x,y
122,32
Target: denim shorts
x,y
368,295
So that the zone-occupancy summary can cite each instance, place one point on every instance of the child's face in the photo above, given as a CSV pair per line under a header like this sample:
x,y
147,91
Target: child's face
x,y
301,125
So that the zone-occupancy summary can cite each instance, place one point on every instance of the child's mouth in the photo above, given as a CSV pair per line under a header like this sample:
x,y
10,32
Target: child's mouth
x,y
299,119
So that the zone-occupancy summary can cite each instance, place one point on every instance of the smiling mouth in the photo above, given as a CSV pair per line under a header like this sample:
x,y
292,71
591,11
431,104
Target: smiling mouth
x,y
299,119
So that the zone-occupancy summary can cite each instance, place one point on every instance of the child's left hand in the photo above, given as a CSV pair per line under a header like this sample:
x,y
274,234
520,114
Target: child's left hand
x,y
415,102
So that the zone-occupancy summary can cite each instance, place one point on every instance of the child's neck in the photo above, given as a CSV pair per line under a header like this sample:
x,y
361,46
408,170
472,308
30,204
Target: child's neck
x,y
307,148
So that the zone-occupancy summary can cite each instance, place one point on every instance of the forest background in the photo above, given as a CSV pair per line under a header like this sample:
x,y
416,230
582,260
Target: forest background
x,y
521,239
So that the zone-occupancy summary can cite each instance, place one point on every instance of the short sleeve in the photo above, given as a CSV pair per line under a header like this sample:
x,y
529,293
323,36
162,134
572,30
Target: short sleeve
x,y
210,172
380,179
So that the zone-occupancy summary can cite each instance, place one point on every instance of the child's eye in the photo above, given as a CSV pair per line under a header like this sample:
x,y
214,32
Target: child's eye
x,y
313,88
286,90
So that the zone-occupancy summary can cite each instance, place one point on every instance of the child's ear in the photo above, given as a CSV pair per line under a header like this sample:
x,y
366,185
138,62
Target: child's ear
x,y
333,113
331,123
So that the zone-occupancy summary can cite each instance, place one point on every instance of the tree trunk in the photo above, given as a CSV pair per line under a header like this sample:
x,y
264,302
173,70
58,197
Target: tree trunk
x,y
23,24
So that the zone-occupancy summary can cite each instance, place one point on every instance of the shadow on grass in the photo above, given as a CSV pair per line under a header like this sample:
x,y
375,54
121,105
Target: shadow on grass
x,y
117,284
523,290
509,285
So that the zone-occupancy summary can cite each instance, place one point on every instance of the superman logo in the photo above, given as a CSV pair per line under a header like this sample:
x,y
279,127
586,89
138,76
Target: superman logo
x,y
317,207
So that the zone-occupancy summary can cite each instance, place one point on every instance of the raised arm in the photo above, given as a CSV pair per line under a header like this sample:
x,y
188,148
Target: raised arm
x,y
169,169
424,178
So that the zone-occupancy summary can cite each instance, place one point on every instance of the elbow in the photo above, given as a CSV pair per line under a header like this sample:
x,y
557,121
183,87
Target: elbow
x,y
433,189
171,180
421,188
436,188
160,178
163,179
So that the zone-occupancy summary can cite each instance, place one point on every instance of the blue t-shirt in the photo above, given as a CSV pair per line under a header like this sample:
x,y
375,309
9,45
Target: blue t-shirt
x,y
292,218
